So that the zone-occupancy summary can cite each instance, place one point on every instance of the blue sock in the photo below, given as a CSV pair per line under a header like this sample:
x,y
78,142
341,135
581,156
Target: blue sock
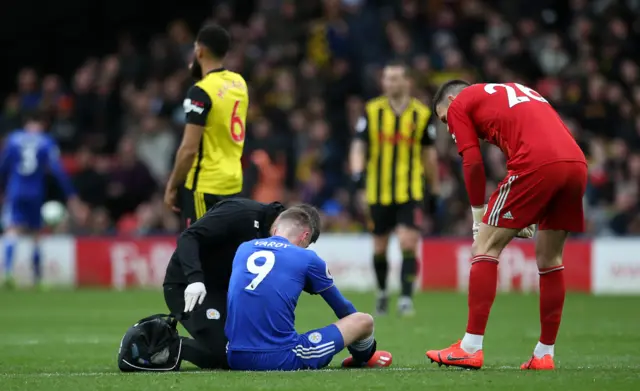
x,y
363,350
9,251
37,269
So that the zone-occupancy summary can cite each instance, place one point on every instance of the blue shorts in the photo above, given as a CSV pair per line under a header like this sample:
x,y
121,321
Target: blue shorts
x,y
314,350
23,213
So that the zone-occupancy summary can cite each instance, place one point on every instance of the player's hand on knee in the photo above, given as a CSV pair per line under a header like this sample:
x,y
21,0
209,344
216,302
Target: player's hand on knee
x,y
527,233
194,294
478,214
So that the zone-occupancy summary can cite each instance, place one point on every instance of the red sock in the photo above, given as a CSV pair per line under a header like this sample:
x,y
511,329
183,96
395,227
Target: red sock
x,y
482,292
552,292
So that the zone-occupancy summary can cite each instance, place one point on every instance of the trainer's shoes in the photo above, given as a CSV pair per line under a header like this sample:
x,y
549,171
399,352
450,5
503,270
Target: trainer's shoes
x,y
405,306
380,359
455,356
543,363
382,305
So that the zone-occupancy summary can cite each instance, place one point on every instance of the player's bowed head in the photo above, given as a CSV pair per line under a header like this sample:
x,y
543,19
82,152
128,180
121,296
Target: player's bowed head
x,y
445,95
295,225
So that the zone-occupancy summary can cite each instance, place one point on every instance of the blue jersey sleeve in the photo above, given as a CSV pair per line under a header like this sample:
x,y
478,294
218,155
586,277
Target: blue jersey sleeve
x,y
338,303
318,278
55,167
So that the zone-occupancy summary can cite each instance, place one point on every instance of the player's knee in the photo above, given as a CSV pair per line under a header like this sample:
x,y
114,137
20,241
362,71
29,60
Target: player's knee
x,y
549,247
479,248
408,238
380,244
492,240
546,258
363,323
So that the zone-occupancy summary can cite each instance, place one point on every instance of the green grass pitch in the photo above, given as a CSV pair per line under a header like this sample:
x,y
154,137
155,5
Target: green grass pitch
x,y
68,341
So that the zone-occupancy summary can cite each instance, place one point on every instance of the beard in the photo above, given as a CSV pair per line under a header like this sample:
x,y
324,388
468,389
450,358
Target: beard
x,y
196,70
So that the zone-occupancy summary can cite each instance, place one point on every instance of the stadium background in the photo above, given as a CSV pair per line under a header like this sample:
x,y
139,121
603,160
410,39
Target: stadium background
x,y
112,76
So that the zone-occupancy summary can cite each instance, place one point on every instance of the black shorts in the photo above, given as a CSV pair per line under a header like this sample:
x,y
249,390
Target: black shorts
x,y
385,218
206,322
194,204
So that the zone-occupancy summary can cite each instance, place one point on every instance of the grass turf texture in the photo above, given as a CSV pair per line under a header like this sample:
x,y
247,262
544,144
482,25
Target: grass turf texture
x,y
68,341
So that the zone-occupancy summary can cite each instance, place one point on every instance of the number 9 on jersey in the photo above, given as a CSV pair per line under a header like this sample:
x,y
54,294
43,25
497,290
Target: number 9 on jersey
x,y
260,271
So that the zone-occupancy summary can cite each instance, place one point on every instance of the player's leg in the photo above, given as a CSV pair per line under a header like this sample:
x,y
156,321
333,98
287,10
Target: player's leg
x,y
36,259
356,331
9,242
316,348
409,217
517,203
563,214
34,225
483,280
383,220
13,222
549,247
207,348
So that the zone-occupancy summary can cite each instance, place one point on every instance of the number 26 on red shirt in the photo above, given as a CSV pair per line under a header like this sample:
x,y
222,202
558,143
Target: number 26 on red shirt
x,y
512,94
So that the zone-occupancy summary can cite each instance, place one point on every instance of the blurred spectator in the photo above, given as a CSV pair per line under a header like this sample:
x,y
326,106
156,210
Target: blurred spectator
x,y
90,183
130,182
156,139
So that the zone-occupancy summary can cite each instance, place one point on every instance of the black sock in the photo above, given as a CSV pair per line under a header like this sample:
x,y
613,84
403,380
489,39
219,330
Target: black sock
x,y
197,354
408,273
363,355
381,267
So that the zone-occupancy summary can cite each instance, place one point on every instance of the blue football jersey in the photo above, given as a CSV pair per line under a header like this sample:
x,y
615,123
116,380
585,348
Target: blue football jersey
x,y
267,279
25,160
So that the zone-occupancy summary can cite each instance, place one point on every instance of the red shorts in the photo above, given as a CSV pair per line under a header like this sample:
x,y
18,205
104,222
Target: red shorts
x,y
550,196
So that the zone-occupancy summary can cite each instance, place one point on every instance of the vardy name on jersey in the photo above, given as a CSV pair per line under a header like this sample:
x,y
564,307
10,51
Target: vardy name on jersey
x,y
267,279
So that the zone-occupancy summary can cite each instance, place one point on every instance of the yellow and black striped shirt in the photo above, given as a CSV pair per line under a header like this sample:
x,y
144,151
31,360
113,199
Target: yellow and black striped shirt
x,y
394,149
218,103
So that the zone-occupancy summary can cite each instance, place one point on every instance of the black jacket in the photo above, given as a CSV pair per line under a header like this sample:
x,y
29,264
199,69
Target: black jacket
x,y
205,250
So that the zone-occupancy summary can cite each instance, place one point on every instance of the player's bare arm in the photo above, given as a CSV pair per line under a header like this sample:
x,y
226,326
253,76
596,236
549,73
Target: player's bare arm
x,y
356,157
187,152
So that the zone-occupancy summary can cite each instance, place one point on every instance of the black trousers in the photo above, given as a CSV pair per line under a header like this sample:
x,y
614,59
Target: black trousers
x,y
207,347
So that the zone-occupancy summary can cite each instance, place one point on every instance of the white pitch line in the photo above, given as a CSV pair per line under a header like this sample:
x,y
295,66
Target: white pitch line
x,y
98,374
198,372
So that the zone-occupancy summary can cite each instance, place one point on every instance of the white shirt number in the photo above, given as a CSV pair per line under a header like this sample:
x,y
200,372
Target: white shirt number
x,y
512,94
28,160
260,271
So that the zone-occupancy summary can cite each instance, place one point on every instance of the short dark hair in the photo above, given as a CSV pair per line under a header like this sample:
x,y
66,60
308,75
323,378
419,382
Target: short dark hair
x,y
449,88
315,220
215,38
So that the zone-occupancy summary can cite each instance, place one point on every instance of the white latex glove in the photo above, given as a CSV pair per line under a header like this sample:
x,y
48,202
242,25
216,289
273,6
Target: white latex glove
x,y
194,293
478,214
527,233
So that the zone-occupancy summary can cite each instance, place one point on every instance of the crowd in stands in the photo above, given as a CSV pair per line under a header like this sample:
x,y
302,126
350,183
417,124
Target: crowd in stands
x,y
310,66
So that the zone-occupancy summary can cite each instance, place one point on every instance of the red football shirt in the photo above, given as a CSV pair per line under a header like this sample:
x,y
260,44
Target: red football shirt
x,y
516,119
